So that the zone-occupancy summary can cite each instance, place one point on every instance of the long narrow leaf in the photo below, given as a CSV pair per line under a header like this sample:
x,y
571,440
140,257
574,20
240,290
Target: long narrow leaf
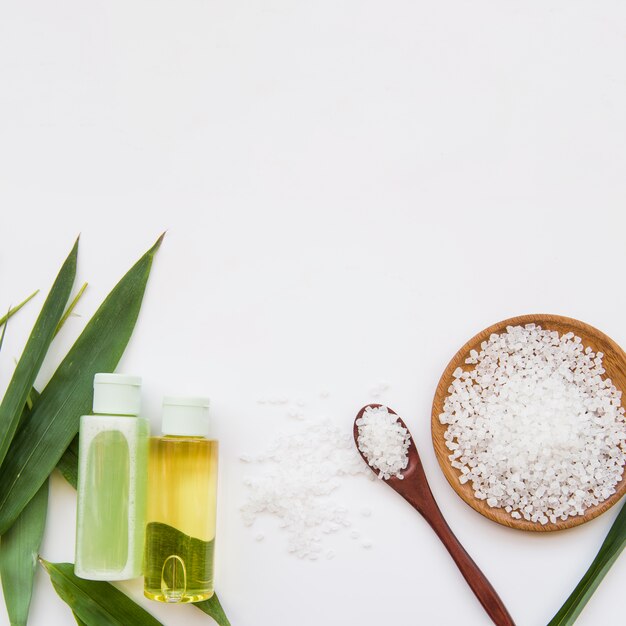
x,y
28,408
20,544
94,602
70,308
15,309
607,555
68,463
213,608
18,556
32,357
42,440
79,621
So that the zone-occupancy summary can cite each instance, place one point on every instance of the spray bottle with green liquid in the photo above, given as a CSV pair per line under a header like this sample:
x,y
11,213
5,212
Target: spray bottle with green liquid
x,y
182,493
113,449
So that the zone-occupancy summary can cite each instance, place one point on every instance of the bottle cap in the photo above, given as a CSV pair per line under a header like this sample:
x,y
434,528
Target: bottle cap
x,y
186,416
116,394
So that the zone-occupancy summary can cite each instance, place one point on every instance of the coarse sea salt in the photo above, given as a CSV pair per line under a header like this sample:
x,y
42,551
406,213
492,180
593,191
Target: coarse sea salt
x,y
294,480
383,441
534,426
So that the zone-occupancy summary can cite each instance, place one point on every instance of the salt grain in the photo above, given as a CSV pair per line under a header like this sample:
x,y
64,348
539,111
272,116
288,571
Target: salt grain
x,y
534,426
294,480
383,441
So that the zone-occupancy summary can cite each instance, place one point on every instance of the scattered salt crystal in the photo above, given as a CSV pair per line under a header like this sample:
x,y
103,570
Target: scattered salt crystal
x,y
260,537
367,544
295,480
383,441
534,426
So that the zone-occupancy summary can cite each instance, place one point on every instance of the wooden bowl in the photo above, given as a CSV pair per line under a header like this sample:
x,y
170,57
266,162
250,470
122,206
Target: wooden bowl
x,y
614,362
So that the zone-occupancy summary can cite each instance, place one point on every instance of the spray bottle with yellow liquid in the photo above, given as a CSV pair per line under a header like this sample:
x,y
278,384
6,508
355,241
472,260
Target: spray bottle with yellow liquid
x,y
182,493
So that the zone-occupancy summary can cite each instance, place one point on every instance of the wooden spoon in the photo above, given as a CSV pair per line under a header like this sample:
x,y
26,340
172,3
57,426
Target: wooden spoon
x,y
415,490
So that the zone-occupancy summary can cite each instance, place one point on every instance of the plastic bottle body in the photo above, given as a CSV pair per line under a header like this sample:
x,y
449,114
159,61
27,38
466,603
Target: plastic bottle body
x,y
180,531
112,491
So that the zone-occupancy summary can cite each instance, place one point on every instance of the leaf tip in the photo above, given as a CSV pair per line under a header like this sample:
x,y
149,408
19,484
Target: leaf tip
x,y
158,242
74,252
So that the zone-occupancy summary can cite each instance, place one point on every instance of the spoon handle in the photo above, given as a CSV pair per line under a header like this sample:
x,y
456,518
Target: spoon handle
x,y
477,581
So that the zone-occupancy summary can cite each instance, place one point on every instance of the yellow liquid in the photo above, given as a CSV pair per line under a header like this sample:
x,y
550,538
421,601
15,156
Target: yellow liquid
x,y
180,532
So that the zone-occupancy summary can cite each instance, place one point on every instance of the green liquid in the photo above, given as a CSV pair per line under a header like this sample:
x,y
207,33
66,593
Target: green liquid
x,y
105,521
110,527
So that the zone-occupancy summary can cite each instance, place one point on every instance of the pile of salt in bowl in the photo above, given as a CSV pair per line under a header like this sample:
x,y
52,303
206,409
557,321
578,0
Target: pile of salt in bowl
x,y
534,426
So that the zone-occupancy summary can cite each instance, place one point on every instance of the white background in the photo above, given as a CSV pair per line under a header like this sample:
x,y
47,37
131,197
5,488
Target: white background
x,y
351,190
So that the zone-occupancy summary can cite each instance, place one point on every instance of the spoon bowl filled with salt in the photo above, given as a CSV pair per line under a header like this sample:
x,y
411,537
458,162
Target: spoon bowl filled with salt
x,y
385,444
528,424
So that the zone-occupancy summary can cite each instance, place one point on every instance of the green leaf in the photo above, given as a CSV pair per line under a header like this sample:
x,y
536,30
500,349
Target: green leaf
x,y
96,603
68,463
32,357
15,309
42,439
213,608
20,544
609,551
18,556
72,462
78,620
70,308
28,408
